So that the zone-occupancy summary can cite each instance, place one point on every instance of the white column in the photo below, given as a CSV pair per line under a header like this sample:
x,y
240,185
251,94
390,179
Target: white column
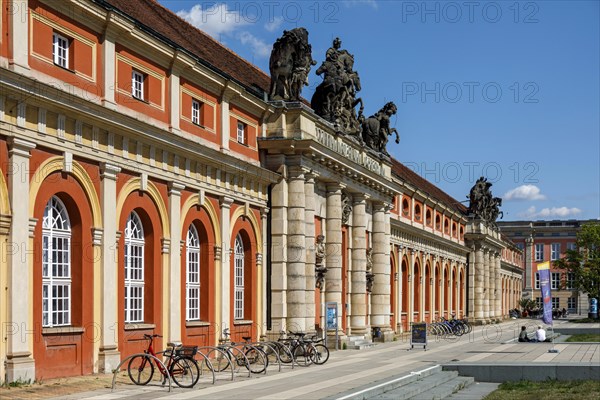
x,y
334,251
309,215
380,297
175,310
478,274
296,242
486,284
264,212
359,263
498,288
279,223
109,356
19,363
225,203
18,22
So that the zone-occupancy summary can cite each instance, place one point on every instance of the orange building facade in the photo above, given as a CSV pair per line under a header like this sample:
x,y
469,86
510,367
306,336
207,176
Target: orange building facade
x,y
146,186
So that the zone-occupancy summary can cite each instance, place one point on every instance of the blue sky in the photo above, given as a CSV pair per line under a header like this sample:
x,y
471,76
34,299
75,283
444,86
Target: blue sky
x,y
509,90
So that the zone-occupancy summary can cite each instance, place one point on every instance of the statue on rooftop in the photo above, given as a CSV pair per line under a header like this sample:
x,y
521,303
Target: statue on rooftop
x,y
290,63
335,98
376,128
482,204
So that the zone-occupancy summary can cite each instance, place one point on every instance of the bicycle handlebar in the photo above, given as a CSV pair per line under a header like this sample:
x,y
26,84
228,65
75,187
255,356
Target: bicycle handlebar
x,y
146,336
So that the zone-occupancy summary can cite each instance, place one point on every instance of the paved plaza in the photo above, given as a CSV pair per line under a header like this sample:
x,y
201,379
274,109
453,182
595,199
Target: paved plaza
x,y
350,371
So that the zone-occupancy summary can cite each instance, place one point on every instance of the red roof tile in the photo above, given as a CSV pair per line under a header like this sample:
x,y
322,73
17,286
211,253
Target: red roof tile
x,y
414,179
155,17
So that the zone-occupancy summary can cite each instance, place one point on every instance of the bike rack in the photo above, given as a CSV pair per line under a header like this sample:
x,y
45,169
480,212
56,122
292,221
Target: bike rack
x,y
117,370
273,349
208,362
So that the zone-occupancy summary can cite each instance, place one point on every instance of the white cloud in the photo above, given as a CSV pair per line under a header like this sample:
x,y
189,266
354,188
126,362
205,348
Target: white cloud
x,y
554,212
218,20
524,192
259,47
350,3
215,20
275,24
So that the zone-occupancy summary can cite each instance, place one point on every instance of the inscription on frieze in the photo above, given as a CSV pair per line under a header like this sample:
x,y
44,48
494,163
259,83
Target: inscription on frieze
x,y
348,151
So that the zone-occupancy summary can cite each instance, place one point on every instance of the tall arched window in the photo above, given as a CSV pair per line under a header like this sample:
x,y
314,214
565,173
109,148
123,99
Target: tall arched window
x,y
56,265
239,278
192,282
134,269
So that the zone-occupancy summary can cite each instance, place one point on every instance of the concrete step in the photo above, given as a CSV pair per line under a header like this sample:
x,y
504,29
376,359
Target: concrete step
x,y
416,388
359,343
373,390
476,391
446,389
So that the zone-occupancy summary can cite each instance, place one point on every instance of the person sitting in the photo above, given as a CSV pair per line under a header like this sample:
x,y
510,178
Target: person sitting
x,y
523,335
540,335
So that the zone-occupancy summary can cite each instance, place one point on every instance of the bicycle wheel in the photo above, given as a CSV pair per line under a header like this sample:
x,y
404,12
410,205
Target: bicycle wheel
x,y
219,359
319,354
184,372
285,354
301,355
140,369
257,360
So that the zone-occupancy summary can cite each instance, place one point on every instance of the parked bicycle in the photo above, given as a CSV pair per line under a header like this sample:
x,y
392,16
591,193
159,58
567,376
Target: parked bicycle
x,y
231,355
179,362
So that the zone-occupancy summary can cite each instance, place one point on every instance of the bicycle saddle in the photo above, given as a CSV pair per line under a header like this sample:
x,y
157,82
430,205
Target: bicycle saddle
x,y
246,338
174,344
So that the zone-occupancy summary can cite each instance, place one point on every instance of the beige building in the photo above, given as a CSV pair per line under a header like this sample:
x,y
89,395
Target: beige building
x,y
147,186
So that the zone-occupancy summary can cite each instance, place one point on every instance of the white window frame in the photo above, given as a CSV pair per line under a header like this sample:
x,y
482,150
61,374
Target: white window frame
x,y
572,246
537,280
554,251
60,50
570,280
56,265
192,274
572,303
196,107
556,302
241,132
539,252
239,278
555,280
137,84
134,269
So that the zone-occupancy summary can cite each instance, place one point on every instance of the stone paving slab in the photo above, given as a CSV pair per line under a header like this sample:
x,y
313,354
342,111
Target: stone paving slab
x,y
345,369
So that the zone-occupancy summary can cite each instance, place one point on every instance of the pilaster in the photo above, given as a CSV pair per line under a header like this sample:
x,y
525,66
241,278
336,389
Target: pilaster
x,y
18,24
175,310
19,364
380,298
109,356
225,270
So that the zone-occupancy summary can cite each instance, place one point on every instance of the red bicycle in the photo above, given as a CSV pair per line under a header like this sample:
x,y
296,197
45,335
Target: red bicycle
x,y
179,362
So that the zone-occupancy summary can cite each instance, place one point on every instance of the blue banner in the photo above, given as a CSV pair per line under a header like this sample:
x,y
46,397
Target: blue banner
x,y
544,271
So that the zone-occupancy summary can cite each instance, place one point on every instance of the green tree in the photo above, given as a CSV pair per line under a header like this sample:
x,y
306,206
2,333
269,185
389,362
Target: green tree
x,y
584,262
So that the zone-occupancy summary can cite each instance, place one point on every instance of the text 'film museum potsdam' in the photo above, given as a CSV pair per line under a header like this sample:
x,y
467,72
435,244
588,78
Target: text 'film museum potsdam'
x,y
152,181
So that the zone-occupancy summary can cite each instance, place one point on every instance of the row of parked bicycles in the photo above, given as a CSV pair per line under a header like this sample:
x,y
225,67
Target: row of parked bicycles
x,y
183,365
448,327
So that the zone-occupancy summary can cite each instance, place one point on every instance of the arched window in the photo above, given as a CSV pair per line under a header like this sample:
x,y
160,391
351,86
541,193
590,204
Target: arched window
x,y
134,269
192,282
56,265
239,278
